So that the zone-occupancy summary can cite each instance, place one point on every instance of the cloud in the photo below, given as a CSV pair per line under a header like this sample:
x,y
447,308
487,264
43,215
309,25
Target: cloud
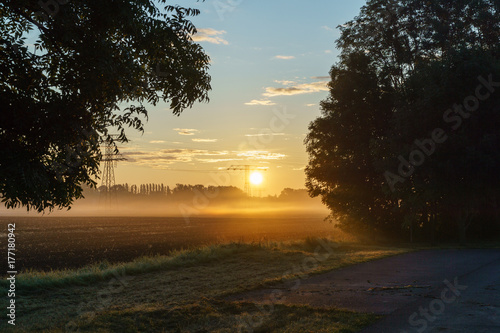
x,y
321,77
264,134
305,88
283,57
261,102
156,160
210,35
218,160
325,27
163,158
285,82
328,51
310,104
186,131
193,152
260,155
157,141
204,140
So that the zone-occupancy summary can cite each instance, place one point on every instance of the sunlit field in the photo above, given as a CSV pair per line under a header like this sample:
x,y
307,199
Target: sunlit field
x,y
72,242
186,290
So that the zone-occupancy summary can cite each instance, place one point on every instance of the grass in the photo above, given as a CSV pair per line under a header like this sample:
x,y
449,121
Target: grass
x,y
38,280
221,316
184,292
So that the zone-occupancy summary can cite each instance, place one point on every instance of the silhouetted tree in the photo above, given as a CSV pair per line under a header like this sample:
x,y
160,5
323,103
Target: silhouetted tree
x,y
454,175
401,65
60,98
341,144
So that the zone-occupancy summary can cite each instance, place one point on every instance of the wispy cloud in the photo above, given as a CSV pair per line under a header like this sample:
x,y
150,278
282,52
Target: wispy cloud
x,y
204,140
264,134
285,82
218,160
211,36
163,158
325,27
186,131
157,141
299,89
310,105
156,160
193,152
320,77
261,102
260,155
284,57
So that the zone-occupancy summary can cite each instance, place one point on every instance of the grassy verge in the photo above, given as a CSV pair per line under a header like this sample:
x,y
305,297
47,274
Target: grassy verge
x,y
183,292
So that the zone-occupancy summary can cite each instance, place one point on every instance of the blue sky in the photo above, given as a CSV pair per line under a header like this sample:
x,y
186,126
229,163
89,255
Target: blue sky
x,y
270,62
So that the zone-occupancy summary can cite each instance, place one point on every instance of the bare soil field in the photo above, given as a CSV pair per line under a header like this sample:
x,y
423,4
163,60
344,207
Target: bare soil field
x,y
45,243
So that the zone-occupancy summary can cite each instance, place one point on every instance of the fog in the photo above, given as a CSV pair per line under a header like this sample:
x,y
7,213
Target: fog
x,y
187,201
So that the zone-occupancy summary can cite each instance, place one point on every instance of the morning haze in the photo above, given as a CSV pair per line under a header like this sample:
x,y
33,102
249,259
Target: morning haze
x,y
250,166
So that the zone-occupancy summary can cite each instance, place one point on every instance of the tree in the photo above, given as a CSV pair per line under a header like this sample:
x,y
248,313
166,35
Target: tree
x,y
392,64
459,172
94,67
340,144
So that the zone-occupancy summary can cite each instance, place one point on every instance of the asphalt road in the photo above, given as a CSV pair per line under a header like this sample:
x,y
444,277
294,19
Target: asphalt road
x,y
425,291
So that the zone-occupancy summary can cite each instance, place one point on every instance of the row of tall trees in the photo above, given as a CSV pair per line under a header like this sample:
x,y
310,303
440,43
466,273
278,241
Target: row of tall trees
x,y
409,138
187,191
180,191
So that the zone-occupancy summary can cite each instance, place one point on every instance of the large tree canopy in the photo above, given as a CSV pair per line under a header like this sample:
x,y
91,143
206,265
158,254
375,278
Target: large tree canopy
x,y
403,64
95,66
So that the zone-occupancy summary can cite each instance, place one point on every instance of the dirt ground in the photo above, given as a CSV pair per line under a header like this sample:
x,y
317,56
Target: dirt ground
x,y
45,243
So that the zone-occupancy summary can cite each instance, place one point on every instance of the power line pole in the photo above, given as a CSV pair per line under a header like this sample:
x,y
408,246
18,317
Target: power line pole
x,y
247,169
110,160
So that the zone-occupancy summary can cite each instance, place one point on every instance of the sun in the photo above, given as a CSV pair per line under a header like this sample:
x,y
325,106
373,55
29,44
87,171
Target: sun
x,y
256,178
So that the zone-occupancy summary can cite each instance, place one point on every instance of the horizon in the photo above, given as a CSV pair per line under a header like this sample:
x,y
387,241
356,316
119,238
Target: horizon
x,y
242,166
257,119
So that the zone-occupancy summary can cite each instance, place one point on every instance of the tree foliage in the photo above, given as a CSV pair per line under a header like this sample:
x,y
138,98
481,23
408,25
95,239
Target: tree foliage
x,y
402,65
460,172
341,141
95,66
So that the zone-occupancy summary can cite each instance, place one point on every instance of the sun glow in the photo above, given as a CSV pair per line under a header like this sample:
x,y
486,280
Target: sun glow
x,y
256,178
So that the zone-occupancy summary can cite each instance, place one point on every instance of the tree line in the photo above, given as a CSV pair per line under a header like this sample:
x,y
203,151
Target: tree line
x,y
187,192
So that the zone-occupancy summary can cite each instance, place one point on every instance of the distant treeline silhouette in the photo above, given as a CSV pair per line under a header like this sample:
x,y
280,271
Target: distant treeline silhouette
x,y
187,191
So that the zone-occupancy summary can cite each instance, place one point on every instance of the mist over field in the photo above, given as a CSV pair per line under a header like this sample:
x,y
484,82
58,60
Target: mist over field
x,y
188,201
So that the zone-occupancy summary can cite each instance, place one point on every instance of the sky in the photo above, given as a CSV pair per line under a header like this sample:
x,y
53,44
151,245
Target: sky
x,y
269,66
